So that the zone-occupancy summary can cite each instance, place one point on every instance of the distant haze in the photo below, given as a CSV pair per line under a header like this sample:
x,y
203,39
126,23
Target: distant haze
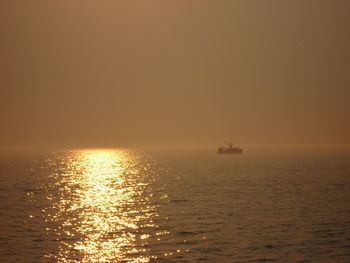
x,y
263,74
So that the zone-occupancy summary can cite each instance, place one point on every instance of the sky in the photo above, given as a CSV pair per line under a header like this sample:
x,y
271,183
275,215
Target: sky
x,y
166,73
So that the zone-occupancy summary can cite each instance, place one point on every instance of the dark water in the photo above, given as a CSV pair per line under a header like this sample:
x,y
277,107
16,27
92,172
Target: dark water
x,y
124,206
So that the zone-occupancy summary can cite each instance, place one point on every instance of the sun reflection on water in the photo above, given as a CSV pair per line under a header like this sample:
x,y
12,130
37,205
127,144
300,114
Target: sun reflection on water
x,y
103,210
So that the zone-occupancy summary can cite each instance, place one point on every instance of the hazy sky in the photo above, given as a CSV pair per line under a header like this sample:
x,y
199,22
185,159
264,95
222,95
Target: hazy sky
x,y
86,73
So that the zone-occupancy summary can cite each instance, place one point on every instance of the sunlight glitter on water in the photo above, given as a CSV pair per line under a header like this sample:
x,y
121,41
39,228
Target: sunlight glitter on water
x,y
101,207
132,206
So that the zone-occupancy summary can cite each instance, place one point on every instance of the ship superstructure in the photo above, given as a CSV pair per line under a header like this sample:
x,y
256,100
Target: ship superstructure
x,y
230,149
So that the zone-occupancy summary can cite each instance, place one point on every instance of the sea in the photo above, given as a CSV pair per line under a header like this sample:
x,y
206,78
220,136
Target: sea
x,y
106,205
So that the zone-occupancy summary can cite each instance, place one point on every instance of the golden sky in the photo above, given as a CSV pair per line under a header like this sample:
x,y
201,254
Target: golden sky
x,y
161,73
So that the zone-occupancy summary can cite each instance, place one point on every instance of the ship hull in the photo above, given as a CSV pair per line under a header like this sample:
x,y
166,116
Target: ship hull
x,y
229,152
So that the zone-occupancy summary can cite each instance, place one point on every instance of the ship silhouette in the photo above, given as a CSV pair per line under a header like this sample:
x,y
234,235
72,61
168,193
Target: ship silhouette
x,y
230,149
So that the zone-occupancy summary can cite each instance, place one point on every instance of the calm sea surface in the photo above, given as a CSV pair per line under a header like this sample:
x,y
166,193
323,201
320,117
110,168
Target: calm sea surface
x,y
129,206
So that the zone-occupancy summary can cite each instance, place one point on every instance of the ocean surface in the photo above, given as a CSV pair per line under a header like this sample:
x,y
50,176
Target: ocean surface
x,y
133,206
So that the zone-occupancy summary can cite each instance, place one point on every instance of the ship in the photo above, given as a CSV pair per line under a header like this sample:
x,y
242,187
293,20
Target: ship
x,y
230,149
